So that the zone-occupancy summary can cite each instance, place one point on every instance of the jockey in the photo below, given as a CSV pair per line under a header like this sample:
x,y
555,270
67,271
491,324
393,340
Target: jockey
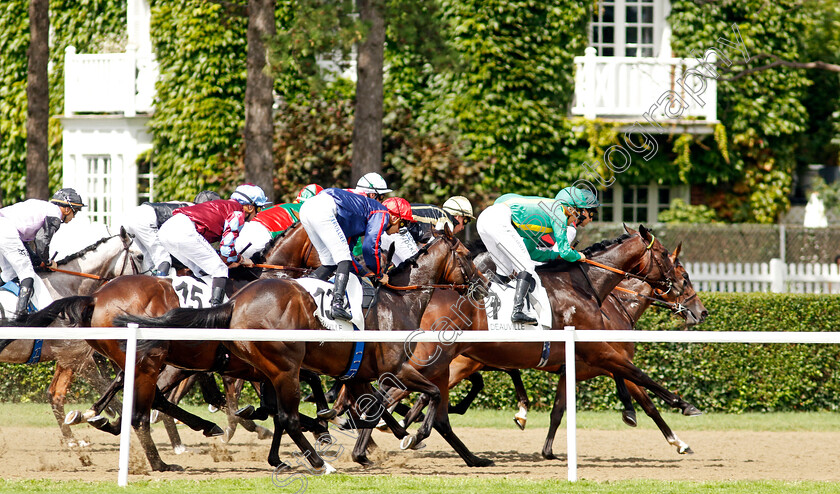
x,y
27,221
511,229
271,222
191,230
144,221
336,216
456,211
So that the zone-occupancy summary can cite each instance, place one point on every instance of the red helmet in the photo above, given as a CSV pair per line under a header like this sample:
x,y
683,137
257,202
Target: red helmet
x,y
310,190
399,207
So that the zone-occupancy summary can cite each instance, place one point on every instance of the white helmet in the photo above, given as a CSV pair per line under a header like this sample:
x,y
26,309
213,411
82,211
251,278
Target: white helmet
x,y
458,206
372,183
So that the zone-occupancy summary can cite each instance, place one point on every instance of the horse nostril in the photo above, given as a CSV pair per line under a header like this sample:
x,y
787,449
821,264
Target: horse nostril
x,y
704,314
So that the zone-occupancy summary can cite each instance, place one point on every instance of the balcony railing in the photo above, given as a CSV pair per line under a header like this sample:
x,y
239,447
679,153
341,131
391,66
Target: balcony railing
x,y
109,82
627,88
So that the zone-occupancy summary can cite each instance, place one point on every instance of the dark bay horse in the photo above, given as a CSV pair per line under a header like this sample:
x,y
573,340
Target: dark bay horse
x,y
621,310
576,292
279,303
105,259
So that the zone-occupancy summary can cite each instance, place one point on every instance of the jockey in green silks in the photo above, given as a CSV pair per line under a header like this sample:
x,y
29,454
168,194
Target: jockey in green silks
x,y
513,227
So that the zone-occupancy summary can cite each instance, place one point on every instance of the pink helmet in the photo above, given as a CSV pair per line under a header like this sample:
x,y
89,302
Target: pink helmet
x,y
399,207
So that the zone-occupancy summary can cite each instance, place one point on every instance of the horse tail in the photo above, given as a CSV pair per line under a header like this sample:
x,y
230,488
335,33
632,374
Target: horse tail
x,y
213,317
77,309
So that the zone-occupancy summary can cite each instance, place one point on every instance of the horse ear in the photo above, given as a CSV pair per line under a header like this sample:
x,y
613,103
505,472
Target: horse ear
x,y
446,230
676,253
628,229
124,236
644,232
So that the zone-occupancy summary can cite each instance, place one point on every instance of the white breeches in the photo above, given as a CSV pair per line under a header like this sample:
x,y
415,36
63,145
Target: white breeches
x,y
255,234
318,217
179,237
503,243
404,246
14,260
142,223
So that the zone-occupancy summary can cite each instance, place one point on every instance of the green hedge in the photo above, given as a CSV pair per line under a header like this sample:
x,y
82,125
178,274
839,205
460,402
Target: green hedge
x,y
715,377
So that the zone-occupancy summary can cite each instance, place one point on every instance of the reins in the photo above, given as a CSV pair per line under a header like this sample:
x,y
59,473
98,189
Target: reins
x,y
103,278
675,307
668,285
277,266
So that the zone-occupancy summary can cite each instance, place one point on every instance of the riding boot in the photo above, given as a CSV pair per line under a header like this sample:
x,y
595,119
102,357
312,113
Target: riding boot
x,y
163,269
524,285
25,294
337,309
323,273
218,293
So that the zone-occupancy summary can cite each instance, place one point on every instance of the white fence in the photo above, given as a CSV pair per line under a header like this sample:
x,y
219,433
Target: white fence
x,y
775,276
569,337
629,86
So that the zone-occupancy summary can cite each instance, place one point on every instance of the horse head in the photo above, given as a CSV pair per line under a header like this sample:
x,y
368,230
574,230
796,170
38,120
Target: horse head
x,y
688,304
656,265
292,248
444,260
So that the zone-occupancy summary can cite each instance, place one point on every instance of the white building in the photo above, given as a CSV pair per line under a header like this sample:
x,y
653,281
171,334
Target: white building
x,y
625,71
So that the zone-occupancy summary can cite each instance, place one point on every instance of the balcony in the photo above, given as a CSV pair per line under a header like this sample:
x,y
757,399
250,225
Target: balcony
x,y
114,83
652,91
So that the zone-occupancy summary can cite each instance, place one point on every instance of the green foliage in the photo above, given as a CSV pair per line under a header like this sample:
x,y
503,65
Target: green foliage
x,y
761,111
680,212
29,383
87,25
199,111
829,193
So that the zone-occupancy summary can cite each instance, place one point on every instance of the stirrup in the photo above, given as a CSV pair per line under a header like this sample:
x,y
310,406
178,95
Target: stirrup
x,y
337,312
521,317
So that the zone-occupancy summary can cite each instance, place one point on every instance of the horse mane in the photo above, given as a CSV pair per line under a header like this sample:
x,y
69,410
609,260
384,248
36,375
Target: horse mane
x,y
271,243
84,251
476,247
563,265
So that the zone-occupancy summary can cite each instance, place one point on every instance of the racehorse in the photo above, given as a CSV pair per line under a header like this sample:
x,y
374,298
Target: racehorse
x,y
279,303
81,272
622,308
576,291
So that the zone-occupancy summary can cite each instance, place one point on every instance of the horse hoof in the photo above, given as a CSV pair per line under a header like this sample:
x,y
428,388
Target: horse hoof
x,y
154,417
278,465
686,450
98,421
179,449
72,418
549,456
263,433
328,469
520,422
408,442
172,468
213,431
212,408
83,443
692,411
245,412
482,462
327,414
629,418
228,435
363,461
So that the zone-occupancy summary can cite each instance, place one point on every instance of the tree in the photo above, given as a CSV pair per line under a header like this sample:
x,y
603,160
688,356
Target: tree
x,y
367,132
38,97
259,128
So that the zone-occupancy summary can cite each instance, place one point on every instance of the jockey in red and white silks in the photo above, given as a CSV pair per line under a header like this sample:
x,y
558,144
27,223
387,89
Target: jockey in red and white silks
x,y
191,230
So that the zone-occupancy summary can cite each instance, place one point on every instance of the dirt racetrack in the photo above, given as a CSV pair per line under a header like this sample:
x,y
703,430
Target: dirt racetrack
x,y
35,453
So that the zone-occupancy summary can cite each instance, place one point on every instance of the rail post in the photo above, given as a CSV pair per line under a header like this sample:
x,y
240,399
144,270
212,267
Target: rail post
x,y
571,405
128,402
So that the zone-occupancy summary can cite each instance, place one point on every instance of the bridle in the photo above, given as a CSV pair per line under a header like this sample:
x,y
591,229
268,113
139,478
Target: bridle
x,y
467,274
664,285
105,279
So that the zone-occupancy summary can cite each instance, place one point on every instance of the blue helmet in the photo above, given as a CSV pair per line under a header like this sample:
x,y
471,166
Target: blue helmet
x,y
577,198
250,194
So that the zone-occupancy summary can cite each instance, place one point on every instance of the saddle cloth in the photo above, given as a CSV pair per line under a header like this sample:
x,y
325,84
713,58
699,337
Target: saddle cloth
x,y
322,291
9,295
499,305
193,292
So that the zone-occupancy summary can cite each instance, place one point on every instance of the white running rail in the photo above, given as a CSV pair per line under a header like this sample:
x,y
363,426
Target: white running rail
x,y
569,337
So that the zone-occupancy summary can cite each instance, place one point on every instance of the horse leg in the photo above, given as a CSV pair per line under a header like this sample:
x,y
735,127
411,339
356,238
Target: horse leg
x,y
521,416
146,393
314,381
94,412
416,412
601,355
440,417
62,379
194,422
557,411
629,413
476,386
651,411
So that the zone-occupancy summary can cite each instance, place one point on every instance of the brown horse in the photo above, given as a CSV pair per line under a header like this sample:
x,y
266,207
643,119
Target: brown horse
x,y
282,303
622,310
576,292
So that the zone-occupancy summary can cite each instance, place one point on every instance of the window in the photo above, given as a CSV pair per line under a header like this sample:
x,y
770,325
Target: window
x,y
145,181
638,203
629,28
99,188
